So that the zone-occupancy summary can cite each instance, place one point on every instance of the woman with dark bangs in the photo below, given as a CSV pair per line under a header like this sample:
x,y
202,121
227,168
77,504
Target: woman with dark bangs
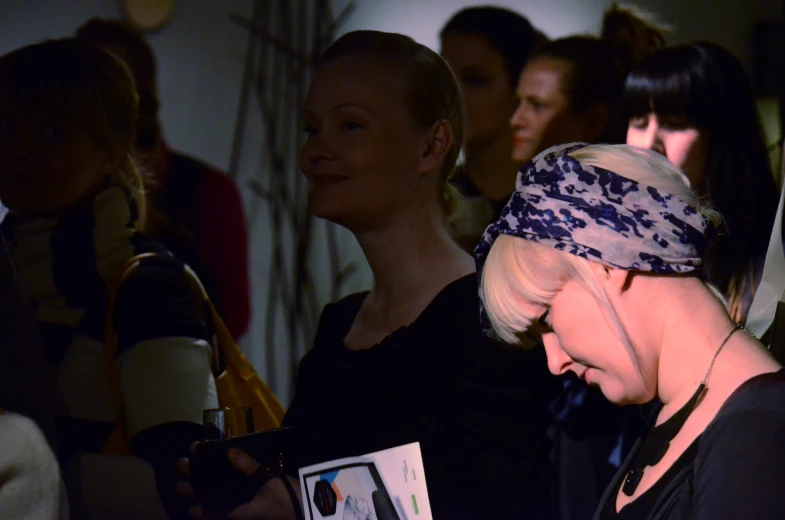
x,y
693,103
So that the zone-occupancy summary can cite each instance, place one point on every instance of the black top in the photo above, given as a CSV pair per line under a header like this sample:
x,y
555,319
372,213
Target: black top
x,y
478,409
735,469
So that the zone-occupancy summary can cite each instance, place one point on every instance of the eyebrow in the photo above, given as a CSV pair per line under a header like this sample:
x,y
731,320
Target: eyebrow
x,y
307,112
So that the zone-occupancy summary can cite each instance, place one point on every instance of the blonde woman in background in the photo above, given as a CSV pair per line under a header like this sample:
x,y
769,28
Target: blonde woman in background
x,y
68,112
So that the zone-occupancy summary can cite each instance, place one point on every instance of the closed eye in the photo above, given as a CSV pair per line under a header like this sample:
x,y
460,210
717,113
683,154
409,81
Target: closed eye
x,y
539,328
640,122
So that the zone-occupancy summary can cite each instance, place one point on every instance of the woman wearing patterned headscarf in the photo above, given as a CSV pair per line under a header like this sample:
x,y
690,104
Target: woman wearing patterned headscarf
x,y
596,256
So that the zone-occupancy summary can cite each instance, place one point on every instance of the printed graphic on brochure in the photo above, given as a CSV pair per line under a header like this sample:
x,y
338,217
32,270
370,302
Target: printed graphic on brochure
x,y
386,485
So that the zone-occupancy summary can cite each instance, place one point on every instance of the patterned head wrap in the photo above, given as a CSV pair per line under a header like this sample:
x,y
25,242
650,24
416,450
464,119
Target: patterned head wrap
x,y
601,216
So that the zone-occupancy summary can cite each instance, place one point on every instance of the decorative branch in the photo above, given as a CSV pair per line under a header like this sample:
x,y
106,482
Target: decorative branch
x,y
279,80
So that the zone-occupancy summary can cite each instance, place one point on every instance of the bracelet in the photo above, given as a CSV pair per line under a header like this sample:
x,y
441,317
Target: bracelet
x,y
298,510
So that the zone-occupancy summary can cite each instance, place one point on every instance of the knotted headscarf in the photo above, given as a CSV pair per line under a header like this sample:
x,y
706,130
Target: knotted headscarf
x,y
601,216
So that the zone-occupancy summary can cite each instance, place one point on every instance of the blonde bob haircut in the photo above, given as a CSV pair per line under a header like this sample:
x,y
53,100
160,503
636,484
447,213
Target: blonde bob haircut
x,y
519,270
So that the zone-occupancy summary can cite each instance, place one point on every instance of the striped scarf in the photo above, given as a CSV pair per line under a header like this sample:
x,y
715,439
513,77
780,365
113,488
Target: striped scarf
x,y
67,263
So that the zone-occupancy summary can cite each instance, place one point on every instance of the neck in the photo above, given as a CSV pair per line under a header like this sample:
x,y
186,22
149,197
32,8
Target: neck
x,y
491,168
692,333
410,257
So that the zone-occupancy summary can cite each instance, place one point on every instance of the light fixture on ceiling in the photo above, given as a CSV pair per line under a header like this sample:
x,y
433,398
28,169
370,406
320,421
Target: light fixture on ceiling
x,y
148,15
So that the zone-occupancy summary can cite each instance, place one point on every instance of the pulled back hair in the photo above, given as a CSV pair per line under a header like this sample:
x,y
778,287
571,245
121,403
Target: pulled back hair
x,y
509,33
598,66
706,86
78,83
432,91
635,33
140,59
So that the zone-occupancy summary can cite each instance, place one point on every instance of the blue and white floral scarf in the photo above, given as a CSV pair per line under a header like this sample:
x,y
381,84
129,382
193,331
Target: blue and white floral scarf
x,y
601,216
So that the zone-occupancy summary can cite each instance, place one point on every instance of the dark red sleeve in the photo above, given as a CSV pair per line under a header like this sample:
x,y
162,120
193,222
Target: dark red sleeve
x,y
223,240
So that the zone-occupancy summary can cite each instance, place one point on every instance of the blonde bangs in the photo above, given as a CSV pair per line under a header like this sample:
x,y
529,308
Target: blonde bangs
x,y
517,276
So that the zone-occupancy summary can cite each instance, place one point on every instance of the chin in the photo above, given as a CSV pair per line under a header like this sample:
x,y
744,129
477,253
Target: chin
x,y
521,157
335,213
615,393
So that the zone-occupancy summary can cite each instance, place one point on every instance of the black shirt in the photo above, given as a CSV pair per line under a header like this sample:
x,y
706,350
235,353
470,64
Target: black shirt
x,y
734,470
478,409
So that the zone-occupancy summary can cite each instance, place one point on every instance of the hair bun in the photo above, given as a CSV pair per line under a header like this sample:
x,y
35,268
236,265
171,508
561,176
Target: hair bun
x,y
634,33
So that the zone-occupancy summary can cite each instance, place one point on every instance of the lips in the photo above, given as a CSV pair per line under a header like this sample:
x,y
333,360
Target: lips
x,y
325,180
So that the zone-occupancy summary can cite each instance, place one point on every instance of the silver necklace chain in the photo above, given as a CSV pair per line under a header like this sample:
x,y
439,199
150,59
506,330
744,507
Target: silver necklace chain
x,y
734,329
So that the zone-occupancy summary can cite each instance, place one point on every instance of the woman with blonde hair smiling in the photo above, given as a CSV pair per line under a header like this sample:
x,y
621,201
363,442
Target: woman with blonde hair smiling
x,y
596,256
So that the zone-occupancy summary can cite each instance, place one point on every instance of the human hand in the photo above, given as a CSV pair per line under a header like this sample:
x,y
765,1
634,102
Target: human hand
x,y
272,502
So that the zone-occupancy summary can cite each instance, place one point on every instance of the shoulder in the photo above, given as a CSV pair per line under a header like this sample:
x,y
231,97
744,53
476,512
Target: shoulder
x,y
740,457
157,301
455,311
30,483
336,319
760,401
26,453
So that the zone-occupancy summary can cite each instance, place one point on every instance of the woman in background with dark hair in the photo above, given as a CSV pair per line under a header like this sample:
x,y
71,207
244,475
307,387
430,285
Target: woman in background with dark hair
x,y
571,88
694,104
487,47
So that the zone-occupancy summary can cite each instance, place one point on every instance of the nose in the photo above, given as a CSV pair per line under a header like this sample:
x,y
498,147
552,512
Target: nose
x,y
558,360
652,138
518,119
314,152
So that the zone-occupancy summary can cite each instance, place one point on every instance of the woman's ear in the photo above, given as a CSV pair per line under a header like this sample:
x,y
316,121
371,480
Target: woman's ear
x,y
616,281
438,141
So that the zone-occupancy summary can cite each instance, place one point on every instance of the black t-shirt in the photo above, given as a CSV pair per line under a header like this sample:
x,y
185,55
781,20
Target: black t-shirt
x,y
478,409
734,470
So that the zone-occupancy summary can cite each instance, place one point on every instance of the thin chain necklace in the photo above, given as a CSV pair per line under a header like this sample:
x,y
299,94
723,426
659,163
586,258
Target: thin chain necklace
x,y
659,438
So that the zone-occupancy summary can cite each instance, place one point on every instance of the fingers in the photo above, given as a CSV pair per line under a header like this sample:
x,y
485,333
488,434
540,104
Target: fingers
x,y
243,461
185,490
183,467
192,447
196,512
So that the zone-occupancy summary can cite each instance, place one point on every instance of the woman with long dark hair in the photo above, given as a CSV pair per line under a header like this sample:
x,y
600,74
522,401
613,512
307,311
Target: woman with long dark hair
x,y
694,104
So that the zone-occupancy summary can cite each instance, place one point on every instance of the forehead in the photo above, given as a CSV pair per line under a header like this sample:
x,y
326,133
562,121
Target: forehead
x,y
469,49
357,80
544,78
544,71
